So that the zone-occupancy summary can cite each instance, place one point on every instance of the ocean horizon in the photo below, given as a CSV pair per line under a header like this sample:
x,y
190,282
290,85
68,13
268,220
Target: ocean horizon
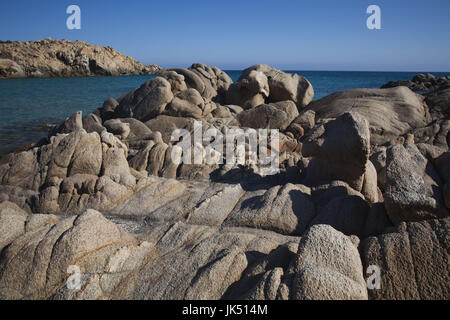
x,y
30,107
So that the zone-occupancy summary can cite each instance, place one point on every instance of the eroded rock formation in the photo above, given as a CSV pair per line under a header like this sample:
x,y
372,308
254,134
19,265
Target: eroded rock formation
x,y
363,181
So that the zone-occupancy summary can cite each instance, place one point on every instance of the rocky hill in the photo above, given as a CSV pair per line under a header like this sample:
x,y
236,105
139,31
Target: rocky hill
x,y
363,185
64,58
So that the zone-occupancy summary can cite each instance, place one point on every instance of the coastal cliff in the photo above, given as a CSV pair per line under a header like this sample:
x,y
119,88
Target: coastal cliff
x,y
64,58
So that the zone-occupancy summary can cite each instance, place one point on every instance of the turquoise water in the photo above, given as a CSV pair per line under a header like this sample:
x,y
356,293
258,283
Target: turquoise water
x,y
29,107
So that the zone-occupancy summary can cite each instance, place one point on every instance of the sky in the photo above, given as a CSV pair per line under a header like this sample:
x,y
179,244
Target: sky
x,y
289,35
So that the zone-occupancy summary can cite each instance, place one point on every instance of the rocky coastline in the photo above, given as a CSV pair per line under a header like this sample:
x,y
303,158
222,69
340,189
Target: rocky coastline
x,y
420,82
64,58
364,183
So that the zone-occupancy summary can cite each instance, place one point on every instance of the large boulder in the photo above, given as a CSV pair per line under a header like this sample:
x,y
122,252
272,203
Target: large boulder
x,y
327,267
71,124
390,112
340,151
212,76
118,128
166,125
347,210
250,91
269,116
209,81
407,196
286,210
284,86
108,108
176,81
93,123
302,124
187,103
146,102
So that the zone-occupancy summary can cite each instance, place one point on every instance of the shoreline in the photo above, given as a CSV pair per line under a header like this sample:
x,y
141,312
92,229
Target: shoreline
x,y
234,73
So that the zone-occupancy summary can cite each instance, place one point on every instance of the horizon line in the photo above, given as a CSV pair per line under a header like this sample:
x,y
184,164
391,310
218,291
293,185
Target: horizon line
x,y
323,70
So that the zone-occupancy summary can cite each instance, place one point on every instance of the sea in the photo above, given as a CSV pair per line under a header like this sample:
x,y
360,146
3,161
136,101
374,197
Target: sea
x,y
29,108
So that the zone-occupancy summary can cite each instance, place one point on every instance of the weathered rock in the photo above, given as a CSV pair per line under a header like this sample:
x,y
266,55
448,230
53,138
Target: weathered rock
x,y
420,82
347,214
138,129
74,171
413,261
176,81
213,78
108,109
250,91
327,267
211,82
10,69
187,103
64,58
12,222
272,116
118,128
378,159
93,123
146,102
166,125
36,265
370,189
302,124
226,231
340,151
87,156
222,112
71,124
407,197
284,86
435,133
286,210
390,112
347,211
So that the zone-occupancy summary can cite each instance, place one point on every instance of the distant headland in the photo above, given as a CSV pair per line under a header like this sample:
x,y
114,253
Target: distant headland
x,y
64,58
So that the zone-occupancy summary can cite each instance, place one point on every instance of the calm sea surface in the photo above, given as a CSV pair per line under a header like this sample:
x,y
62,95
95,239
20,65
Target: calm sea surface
x,y
30,107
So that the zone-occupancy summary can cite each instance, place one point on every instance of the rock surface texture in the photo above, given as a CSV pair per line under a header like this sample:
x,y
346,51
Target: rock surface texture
x,y
64,58
363,185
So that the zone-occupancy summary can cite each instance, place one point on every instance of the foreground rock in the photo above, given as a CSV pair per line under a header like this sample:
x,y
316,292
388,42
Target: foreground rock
x,y
413,261
172,261
64,58
327,267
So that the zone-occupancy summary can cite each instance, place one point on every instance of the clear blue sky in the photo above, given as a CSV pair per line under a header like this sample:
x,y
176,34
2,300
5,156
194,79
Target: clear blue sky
x,y
294,34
